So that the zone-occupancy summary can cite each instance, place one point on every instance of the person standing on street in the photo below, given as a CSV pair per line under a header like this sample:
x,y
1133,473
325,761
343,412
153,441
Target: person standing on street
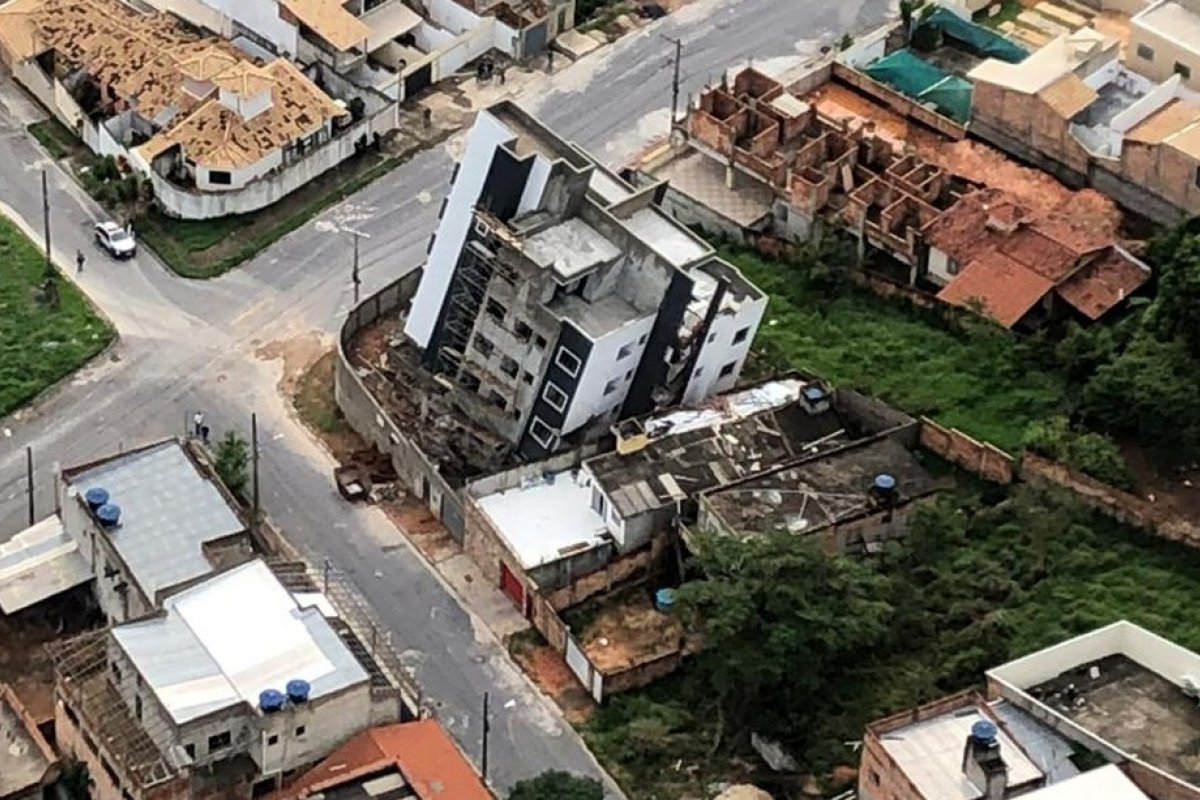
x,y
78,262
198,424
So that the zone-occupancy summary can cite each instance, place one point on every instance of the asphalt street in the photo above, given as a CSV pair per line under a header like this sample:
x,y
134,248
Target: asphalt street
x,y
223,346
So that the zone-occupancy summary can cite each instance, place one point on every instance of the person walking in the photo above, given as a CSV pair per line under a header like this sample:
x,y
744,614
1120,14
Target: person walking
x,y
198,424
78,262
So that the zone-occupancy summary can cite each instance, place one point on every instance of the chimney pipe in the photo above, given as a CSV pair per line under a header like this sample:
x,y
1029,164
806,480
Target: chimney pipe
x,y
982,764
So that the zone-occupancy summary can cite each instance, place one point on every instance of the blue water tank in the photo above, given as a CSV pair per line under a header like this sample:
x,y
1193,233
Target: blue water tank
x,y
814,392
109,515
884,483
984,731
664,599
96,497
270,700
298,691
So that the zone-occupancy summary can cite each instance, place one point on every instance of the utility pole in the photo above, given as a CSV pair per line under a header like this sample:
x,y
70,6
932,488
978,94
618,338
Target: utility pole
x,y
675,79
354,277
46,224
29,481
254,470
483,762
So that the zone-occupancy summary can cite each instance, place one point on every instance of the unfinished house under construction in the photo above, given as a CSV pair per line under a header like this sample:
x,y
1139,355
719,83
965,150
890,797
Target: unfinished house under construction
x,y
558,299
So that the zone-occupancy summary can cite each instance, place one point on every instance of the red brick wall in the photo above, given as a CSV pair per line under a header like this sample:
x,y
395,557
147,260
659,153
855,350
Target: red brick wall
x,y
980,458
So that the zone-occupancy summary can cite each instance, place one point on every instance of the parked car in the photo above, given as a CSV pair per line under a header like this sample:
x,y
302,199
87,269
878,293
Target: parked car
x,y
118,241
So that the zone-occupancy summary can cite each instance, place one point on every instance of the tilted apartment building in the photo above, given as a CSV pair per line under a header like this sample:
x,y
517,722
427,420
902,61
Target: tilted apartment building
x,y
558,299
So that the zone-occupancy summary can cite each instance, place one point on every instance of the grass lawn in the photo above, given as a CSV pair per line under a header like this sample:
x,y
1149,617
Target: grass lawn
x,y
39,346
54,136
981,381
1009,10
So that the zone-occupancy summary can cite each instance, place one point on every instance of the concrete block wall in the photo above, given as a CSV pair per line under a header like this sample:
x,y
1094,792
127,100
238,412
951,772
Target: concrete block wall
x,y
980,458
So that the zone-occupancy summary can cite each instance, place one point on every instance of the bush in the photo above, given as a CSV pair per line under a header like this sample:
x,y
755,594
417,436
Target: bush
x,y
1090,453
233,454
557,785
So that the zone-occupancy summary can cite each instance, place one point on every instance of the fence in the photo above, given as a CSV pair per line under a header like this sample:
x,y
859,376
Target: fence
x,y
979,458
369,419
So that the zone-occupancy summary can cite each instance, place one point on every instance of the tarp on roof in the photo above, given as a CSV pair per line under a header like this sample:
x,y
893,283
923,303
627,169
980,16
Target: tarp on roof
x,y
946,93
975,38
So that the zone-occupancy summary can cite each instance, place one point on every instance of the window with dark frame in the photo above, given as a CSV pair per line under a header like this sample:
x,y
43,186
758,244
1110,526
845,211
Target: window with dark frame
x,y
539,341
509,366
522,331
300,730
273,739
542,433
483,345
219,741
612,385
496,309
569,362
741,335
220,177
555,396
727,370
1145,52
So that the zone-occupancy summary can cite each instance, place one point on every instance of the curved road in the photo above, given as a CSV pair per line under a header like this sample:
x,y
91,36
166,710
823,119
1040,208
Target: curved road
x,y
222,346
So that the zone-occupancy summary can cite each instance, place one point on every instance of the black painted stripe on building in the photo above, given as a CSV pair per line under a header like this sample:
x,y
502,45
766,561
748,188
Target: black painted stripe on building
x,y
652,371
573,341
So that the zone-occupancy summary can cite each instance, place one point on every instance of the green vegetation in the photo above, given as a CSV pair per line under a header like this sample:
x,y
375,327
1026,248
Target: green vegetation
x,y
58,140
233,455
1009,11
974,376
557,785
210,247
41,341
975,586
600,14
1090,453
314,398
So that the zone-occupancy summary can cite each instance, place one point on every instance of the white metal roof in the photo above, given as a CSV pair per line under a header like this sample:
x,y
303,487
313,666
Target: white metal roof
x,y
37,563
1106,783
225,640
930,753
168,510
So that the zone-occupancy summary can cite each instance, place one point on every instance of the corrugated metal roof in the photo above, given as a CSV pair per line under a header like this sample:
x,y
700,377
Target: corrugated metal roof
x,y
222,642
168,510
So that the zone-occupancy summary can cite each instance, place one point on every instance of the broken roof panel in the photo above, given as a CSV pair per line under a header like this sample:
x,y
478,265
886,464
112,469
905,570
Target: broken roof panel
x,y
1104,283
330,21
1068,95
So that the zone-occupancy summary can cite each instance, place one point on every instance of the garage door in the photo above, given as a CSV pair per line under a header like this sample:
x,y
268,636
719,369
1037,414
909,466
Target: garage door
x,y
512,586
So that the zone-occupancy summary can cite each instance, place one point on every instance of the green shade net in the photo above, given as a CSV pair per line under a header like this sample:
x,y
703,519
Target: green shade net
x,y
924,83
975,38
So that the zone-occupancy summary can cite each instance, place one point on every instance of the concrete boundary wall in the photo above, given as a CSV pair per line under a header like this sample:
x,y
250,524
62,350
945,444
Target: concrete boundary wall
x,y
372,422
979,458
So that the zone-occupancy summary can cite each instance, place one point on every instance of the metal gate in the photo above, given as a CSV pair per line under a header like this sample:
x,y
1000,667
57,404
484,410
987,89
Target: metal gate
x,y
511,585
588,675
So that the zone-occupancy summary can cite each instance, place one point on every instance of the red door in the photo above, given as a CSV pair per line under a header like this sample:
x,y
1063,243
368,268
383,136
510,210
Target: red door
x,y
512,586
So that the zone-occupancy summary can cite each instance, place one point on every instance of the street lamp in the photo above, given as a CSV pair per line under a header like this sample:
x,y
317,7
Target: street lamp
x,y
354,265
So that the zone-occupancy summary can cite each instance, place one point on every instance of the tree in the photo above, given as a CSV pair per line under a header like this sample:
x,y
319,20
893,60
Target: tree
x,y
1091,453
233,454
780,621
557,785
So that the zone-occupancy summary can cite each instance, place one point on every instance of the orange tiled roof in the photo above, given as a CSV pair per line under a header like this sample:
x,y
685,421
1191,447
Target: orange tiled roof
x,y
430,762
1104,283
1068,95
1007,289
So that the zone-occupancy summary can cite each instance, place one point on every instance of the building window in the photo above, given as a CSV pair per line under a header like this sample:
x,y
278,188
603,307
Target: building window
x,y
509,367
190,749
625,351
555,396
612,385
273,739
952,266
741,335
496,310
497,399
569,362
442,210
137,708
541,433
539,342
116,671
522,331
699,370
71,715
629,375
727,370
712,337
1145,52
454,174
219,741
110,772
300,730
429,247
483,345
220,177
875,778
89,741
527,378
1183,70
642,339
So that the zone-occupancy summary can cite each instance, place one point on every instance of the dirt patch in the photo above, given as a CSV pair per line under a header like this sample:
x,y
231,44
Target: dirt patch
x,y
24,663
1174,490
422,529
299,354
546,668
625,630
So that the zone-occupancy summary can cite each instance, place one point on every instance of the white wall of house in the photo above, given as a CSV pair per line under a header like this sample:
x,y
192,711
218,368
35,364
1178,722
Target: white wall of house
x,y
204,14
238,178
940,267
260,16
720,350
608,368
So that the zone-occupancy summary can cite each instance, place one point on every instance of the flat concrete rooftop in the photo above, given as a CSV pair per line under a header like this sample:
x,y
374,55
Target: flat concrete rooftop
x,y
24,755
1133,708
1172,20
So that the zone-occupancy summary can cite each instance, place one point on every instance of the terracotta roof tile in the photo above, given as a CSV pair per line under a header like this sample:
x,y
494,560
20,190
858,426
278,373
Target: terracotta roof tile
x,y
1104,283
1007,289
1068,95
432,765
